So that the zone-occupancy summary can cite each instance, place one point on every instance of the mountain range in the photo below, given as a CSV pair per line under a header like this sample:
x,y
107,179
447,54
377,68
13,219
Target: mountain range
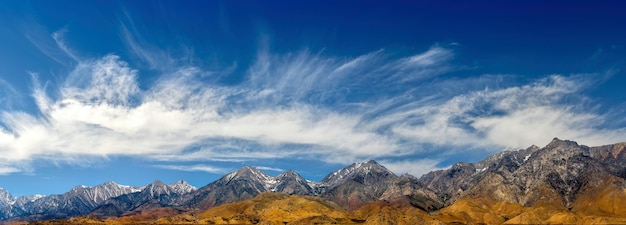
x,y
562,182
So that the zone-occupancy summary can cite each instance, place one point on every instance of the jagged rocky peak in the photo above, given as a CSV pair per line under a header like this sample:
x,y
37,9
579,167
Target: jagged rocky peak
x,y
157,187
450,184
615,151
555,174
291,182
358,171
110,183
103,191
28,198
289,175
155,183
182,187
562,149
533,148
462,167
510,157
5,197
408,176
249,172
562,143
613,157
252,174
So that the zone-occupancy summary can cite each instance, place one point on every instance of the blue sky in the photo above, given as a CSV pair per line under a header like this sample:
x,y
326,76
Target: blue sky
x,y
134,91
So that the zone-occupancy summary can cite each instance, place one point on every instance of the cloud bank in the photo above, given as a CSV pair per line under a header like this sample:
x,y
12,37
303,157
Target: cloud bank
x,y
301,104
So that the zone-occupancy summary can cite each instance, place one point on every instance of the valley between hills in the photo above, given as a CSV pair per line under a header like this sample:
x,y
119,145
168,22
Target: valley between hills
x,y
561,183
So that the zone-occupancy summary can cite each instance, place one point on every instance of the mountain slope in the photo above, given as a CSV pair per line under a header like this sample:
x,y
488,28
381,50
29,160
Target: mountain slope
x,y
560,183
275,208
290,182
242,184
154,195
451,184
612,157
78,201
357,184
360,183
554,175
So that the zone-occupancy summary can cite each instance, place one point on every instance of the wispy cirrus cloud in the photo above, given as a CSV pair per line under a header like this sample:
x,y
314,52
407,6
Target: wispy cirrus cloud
x,y
270,168
100,108
298,104
195,168
513,117
57,36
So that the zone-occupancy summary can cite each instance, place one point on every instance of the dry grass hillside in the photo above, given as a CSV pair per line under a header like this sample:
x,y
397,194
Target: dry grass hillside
x,y
605,207
272,208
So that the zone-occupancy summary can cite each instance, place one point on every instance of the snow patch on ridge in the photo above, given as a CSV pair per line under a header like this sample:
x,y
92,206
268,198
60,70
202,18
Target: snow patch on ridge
x,y
527,157
480,170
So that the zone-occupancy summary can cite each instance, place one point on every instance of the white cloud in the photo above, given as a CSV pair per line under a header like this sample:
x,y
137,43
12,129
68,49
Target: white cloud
x,y
269,168
514,117
58,39
194,168
8,94
154,57
8,170
338,110
414,167
51,46
433,56
100,111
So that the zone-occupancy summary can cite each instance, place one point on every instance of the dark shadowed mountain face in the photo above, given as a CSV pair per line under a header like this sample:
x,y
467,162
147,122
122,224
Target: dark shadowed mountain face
x,y
561,175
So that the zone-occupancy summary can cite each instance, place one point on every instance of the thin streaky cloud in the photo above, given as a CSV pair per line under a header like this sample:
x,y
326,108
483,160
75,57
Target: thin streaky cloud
x,y
195,168
269,168
57,36
37,35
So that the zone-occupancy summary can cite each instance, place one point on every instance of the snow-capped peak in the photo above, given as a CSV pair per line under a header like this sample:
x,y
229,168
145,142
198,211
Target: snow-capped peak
x,y
251,173
182,187
102,192
356,168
